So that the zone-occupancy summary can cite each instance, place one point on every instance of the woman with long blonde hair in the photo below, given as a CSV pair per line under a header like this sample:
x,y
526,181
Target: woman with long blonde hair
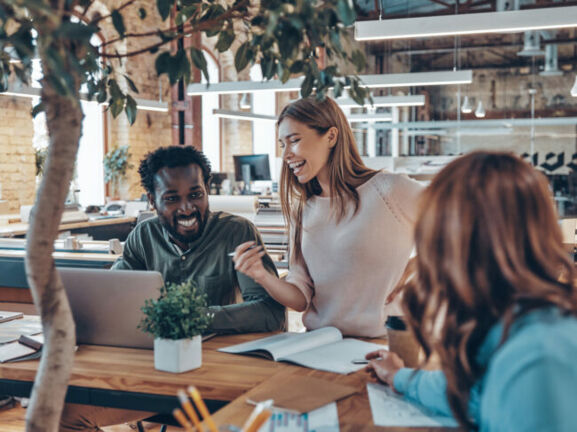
x,y
494,297
350,226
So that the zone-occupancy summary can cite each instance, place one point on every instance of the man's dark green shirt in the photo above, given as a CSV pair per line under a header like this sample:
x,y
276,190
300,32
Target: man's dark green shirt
x,y
207,263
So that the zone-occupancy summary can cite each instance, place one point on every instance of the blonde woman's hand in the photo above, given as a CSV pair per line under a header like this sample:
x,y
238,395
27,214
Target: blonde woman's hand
x,y
248,260
383,366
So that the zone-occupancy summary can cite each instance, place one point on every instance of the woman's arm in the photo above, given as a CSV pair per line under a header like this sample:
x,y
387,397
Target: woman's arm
x,y
248,260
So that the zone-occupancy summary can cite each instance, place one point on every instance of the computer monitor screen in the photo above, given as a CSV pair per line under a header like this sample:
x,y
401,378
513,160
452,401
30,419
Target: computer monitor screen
x,y
257,165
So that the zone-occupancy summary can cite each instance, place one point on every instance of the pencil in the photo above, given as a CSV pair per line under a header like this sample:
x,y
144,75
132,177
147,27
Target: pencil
x,y
179,416
195,395
260,407
258,421
189,410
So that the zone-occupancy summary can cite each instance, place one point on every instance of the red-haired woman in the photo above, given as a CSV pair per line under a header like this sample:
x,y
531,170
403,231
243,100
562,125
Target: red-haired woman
x,y
494,297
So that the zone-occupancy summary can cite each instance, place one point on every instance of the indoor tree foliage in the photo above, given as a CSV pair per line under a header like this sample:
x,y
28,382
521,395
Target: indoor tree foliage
x,y
284,36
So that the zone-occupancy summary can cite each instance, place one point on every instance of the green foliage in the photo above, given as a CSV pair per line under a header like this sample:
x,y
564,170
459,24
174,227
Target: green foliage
x,y
286,37
116,164
180,312
40,156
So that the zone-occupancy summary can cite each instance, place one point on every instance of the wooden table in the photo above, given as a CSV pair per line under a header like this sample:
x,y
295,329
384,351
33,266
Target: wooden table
x,y
99,229
126,378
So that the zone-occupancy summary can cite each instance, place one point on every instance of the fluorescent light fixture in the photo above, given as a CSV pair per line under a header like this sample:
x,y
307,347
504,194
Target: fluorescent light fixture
x,y
142,104
385,101
480,111
151,105
574,88
371,81
466,108
377,117
464,24
22,91
241,115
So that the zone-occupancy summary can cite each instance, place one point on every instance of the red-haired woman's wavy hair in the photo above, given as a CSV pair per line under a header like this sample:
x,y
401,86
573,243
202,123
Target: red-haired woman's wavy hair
x,y
489,249
346,168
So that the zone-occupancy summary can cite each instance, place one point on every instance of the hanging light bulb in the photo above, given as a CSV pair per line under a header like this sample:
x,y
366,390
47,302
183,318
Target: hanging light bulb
x,y
480,111
574,88
244,102
466,108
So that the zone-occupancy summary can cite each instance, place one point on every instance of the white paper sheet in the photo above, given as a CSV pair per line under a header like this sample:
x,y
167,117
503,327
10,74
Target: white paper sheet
x,y
323,419
390,409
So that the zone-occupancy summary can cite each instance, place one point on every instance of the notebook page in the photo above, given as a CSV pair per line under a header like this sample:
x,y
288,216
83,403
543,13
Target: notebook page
x,y
391,410
285,344
334,357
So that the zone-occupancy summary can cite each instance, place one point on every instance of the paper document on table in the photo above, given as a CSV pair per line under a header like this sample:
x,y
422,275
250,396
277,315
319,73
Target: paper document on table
x,y
323,419
391,410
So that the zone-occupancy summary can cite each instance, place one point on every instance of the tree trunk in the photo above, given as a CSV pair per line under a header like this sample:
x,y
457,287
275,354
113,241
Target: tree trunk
x,y
64,123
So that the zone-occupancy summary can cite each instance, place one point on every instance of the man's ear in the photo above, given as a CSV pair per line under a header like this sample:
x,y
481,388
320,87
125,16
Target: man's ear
x,y
333,134
151,200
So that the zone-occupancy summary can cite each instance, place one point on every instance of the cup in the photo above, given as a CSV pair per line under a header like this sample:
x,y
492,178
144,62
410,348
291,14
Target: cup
x,y
402,341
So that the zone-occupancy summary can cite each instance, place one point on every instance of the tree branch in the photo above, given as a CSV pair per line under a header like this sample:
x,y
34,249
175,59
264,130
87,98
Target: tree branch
x,y
186,32
226,15
102,18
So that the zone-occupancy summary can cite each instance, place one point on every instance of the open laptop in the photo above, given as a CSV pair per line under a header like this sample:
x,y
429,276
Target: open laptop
x,y
106,304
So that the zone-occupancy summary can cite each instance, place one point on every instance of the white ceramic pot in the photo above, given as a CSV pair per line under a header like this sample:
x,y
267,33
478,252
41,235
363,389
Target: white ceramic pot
x,y
177,355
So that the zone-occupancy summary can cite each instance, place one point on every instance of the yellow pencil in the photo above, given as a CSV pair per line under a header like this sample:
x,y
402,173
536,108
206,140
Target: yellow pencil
x,y
260,419
180,417
195,395
189,410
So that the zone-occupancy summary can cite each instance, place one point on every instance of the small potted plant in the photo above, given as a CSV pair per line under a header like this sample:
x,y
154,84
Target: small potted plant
x,y
177,320
116,165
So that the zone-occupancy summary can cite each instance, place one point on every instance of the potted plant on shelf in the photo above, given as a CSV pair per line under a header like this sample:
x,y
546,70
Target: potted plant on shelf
x,y
116,164
177,320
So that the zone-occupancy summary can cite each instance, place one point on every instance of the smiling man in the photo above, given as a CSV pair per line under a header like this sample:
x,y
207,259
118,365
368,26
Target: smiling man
x,y
188,241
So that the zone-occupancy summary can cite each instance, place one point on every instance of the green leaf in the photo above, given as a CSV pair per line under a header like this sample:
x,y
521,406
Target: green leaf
x,y
131,84
38,108
162,63
199,61
358,59
346,12
115,92
78,31
116,105
163,7
130,109
243,56
225,40
118,22
297,67
307,85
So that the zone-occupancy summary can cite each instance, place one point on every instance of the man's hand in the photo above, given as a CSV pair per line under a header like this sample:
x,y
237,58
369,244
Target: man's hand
x,y
248,260
383,366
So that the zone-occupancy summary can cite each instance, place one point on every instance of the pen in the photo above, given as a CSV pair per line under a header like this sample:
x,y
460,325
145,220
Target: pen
x,y
195,395
364,361
189,409
230,254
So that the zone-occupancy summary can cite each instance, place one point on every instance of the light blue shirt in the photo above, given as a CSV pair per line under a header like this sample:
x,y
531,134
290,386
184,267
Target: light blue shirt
x,y
530,383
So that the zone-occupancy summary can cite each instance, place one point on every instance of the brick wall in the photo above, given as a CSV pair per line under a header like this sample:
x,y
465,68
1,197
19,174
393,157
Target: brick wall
x,y
17,162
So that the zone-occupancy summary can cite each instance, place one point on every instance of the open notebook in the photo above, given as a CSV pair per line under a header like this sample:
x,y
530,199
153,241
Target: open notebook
x,y
323,349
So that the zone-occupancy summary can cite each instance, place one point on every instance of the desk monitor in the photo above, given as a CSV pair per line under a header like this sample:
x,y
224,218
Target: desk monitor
x,y
248,168
106,304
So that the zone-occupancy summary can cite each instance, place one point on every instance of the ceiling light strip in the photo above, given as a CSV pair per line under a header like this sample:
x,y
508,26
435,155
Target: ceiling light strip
x,y
466,24
371,81
385,101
